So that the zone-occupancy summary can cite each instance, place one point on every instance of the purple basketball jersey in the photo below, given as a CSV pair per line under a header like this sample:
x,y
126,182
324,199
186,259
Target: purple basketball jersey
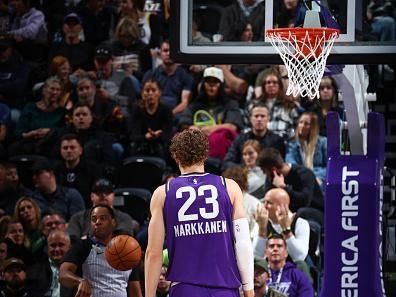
x,y
199,231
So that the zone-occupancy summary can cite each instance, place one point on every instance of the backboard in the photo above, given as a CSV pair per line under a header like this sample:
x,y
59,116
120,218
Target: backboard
x,y
357,43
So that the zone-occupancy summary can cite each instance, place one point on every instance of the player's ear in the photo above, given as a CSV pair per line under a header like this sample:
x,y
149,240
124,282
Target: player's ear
x,y
113,222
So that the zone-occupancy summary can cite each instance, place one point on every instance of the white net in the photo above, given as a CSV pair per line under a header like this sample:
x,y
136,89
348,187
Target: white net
x,y
304,52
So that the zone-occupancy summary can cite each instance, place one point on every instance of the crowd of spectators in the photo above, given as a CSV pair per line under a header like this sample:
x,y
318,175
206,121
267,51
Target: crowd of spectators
x,y
85,84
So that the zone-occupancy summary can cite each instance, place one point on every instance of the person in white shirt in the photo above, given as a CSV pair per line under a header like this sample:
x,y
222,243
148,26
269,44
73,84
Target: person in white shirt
x,y
274,216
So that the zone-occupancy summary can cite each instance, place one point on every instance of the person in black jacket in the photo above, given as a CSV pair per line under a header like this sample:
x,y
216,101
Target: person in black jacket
x,y
98,145
14,279
74,170
259,118
43,274
306,196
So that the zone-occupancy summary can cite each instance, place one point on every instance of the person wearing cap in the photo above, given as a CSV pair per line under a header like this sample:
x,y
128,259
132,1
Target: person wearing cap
x,y
74,170
113,84
212,102
49,194
176,83
77,51
260,277
14,279
79,226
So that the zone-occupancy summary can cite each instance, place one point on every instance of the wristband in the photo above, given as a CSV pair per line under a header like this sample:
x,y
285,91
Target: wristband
x,y
286,231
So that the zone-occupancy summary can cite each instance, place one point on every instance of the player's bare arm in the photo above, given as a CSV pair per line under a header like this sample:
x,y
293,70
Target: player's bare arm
x,y
156,236
243,244
68,278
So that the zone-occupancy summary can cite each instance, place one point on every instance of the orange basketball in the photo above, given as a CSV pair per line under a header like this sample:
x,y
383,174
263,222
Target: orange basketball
x,y
123,252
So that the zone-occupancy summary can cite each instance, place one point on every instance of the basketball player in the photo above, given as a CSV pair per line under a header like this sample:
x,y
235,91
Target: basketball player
x,y
207,233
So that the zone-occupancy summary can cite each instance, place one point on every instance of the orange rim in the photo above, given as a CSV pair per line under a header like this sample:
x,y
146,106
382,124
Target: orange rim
x,y
300,33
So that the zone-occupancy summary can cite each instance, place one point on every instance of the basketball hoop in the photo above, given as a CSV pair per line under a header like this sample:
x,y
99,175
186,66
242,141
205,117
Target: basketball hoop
x,y
304,52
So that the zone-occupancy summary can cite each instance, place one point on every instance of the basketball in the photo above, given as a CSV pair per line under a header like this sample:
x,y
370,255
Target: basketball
x,y
123,252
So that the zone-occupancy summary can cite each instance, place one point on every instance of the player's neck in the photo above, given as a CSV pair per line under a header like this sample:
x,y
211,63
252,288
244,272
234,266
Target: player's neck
x,y
191,169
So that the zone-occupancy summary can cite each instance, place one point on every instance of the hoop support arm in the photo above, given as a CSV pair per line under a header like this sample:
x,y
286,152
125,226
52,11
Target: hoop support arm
x,y
354,131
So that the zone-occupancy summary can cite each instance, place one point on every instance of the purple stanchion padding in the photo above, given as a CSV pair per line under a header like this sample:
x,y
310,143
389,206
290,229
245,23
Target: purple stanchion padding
x,y
353,207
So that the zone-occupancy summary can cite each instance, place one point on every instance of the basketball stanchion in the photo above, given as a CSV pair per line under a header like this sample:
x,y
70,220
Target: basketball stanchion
x,y
353,206
353,214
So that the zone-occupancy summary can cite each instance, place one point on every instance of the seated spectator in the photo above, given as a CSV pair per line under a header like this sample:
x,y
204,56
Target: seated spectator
x,y
107,113
3,251
127,45
288,14
60,68
28,213
237,79
250,203
261,276
256,177
175,82
239,13
78,52
11,189
308,148
39,121
17,242
5,123
52,220
383,27
98,145
268,87
285,109
216,114
79,226
14,278
74,170
163,286
43,274
27,23
259,117
275,217
284,277
150,123
328,101
14,77
111,84
49,194
88,257
247,33
148,21
96,20
306,197
284,116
